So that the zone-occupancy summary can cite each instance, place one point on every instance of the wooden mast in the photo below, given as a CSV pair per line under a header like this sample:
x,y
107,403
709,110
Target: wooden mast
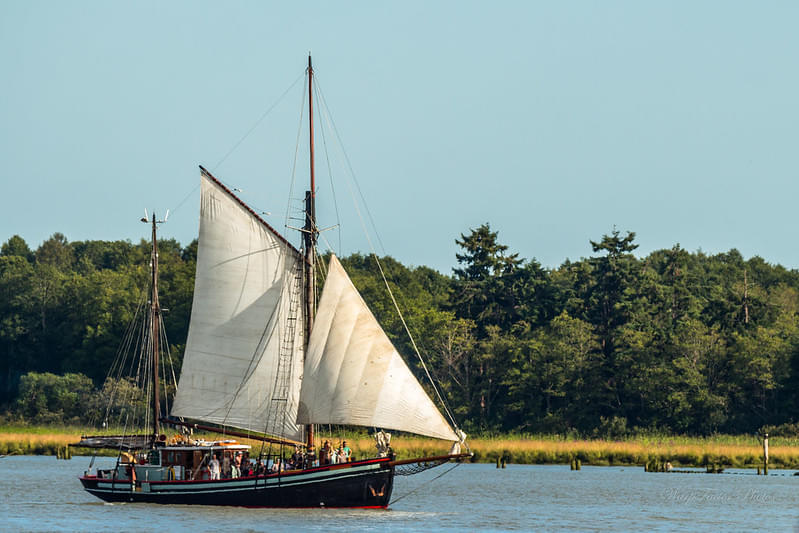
x,y
155,320
309,236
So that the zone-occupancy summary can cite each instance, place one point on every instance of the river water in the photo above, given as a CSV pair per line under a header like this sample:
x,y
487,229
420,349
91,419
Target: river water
x,y
44,494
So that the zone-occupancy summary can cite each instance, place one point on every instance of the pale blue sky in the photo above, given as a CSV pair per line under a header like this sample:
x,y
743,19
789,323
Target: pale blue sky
x,y
552,121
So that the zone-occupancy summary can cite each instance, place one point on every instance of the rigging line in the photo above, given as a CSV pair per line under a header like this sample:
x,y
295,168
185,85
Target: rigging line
x,y
118,366
329,168
413,341
258,122
168,356
399,313
380,267
174,209
383,275
456,465
321,264
271,108
327,243
296,151
349,164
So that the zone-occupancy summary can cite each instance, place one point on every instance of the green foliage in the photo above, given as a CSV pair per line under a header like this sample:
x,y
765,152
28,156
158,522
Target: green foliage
x,y
608,345
47,398
65,307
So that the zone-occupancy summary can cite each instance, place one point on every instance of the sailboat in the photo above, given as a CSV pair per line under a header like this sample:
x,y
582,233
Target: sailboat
x,y
264,360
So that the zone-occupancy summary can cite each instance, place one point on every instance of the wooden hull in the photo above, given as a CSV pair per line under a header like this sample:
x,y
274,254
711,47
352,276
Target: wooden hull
x,y
362,484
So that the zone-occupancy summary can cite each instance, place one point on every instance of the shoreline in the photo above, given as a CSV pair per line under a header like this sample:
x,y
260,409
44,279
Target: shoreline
x,y
722,450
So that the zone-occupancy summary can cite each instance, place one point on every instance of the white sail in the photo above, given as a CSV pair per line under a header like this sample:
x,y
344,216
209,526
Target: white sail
x,y
353,374
243,361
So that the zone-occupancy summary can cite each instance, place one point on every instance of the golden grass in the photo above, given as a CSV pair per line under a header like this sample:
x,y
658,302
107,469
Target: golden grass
x,y
34,444
744,451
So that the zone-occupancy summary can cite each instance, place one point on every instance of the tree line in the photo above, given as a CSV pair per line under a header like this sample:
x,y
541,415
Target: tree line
x,y
676,341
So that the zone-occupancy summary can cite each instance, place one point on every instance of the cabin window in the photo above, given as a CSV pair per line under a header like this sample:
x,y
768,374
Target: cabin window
x,y
154,458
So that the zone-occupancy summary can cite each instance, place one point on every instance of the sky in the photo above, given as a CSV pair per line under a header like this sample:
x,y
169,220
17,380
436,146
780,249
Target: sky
x,y
554,122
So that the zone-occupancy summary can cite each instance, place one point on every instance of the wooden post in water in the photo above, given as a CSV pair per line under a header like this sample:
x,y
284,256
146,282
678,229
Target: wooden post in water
x,y
765,454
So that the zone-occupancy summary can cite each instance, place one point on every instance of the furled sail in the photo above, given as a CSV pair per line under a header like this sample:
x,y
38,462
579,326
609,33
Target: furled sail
x,y
243,361
353,374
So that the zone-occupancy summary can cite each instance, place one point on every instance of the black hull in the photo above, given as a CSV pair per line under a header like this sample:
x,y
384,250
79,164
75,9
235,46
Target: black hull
x,y
363,484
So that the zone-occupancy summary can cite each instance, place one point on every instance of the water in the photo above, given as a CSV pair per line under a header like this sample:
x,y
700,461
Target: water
x,y
43,494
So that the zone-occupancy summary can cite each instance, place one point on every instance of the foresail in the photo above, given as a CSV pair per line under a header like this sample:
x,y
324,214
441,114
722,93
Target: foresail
x,y
243,361
353,375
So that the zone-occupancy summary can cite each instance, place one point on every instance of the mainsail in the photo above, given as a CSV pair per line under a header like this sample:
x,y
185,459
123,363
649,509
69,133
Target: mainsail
x,y
243,361
353,374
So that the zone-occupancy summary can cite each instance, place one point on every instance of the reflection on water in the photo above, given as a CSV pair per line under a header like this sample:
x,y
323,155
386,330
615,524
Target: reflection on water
x,y
43,494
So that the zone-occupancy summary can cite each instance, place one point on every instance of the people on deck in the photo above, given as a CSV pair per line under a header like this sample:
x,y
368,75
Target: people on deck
x,y
235,467
347,451
226,469
246,468
297,458
325,454
311,460
213,466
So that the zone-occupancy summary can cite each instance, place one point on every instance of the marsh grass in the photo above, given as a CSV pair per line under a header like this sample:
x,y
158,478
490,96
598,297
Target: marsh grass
x,y
742,451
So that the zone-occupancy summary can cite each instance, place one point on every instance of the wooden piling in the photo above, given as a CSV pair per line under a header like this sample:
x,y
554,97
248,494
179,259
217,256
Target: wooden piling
x,y
765,454
578,464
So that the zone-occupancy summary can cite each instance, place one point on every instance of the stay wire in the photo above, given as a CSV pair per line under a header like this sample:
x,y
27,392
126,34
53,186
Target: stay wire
x,y
349,165
377,260
243,138
258,122
325,115
296,153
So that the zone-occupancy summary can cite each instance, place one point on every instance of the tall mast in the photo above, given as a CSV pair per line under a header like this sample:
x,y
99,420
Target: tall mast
x,y
310,128
155,323
155,320
309,237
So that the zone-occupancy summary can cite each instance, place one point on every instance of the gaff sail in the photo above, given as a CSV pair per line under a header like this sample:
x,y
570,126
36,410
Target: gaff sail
x,y
243,358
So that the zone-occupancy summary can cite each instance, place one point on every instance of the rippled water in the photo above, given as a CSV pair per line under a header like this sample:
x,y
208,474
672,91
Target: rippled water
x,y
44,494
